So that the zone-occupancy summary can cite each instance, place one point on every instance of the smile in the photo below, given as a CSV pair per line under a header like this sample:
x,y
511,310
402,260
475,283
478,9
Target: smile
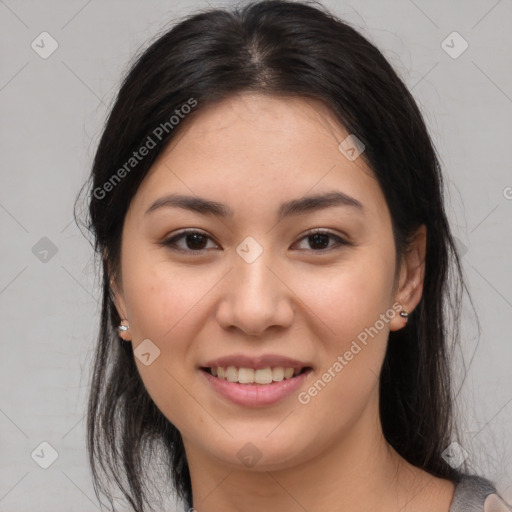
x,y
250,387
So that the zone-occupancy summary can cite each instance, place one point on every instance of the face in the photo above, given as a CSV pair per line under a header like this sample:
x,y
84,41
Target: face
x,y
261,278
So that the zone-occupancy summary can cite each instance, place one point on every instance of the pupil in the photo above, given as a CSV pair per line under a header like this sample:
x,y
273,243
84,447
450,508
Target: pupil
x,y
319,238
196,243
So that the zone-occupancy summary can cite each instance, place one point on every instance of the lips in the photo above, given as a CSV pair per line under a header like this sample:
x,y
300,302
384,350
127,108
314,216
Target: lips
x,y
255,381
253,394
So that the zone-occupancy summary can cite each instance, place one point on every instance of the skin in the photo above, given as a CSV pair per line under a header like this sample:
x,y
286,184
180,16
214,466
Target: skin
x,y
252,152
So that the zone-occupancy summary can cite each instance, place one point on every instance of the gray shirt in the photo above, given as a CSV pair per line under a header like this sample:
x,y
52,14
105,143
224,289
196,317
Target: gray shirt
x,y
472,492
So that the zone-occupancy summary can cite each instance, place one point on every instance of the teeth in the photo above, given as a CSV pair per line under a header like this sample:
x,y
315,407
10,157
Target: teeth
x,y
278,374
251,376
245,375
288,373
231,374
263,376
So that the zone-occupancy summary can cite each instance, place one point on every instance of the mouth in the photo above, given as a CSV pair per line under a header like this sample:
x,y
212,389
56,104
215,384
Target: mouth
x,y
260,376
256,380
255,387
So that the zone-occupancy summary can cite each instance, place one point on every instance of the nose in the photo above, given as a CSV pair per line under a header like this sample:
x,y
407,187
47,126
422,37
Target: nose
x,y
255,298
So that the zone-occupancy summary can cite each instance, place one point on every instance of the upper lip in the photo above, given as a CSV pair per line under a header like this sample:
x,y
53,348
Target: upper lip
x,y
263,361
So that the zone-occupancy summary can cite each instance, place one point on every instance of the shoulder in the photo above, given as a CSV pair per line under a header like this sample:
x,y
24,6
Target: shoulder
x,y
477,494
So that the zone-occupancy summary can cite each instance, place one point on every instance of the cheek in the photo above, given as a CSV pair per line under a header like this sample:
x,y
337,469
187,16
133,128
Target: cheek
x,y
349,297
353,341
163,303
164,307
348,302
162,297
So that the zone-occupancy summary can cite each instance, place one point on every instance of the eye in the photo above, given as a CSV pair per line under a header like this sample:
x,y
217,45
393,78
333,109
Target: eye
x,y
195,241
319,240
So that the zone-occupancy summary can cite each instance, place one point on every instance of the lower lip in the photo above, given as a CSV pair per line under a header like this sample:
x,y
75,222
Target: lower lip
x,y
256,395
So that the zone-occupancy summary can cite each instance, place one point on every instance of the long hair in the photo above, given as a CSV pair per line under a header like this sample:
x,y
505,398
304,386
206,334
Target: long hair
x,y
287,49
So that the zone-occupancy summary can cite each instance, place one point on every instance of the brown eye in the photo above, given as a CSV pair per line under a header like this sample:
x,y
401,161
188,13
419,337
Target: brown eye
x,y
319,241
192,241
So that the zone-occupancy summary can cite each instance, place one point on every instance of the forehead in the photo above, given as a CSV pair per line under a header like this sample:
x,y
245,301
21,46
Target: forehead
x,y
253,150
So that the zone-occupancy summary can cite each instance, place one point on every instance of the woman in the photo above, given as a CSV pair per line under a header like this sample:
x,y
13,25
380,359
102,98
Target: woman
x,y
276,256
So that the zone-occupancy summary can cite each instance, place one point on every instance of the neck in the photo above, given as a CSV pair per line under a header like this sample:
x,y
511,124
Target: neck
x,y
359,472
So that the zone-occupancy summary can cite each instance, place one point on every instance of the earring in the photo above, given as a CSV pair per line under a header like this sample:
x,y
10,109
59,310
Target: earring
x,y
404,314
122,328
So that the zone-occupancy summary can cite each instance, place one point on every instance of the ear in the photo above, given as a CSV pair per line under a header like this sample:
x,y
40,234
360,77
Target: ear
x,y
411,276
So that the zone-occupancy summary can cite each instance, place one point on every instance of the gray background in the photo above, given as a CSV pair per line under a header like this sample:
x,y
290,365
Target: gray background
x,y
52,111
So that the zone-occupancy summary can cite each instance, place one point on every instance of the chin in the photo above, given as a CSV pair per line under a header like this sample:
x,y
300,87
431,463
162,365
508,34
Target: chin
x,y
256,452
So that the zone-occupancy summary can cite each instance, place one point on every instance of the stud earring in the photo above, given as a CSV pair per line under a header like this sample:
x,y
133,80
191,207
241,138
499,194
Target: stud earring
x,y
122,328
404,314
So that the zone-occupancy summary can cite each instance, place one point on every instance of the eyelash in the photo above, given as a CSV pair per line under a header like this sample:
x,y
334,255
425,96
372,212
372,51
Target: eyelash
x,y
171,242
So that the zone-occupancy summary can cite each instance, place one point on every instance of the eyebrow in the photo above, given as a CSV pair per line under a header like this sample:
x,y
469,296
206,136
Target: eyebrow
x,y
288,208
